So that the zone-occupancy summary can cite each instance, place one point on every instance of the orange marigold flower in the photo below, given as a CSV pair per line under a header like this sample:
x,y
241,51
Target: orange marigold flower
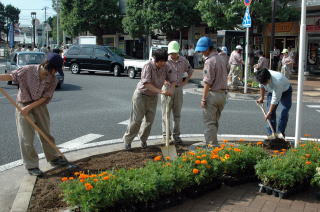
x,y
214,157
308,155
241,140
282,153
157,158
222,146
195,171
71,178
229,149
167,158
232,145
191,153
283,150
204,155
237,150
168,164
199,157
184,160
93,175
302,145
294,150
204,162
306,135
197,162
77,173
95,180
226,156
106,178
308,162
88,186
64,179
260,143
81,180
102,174
276,151
225,141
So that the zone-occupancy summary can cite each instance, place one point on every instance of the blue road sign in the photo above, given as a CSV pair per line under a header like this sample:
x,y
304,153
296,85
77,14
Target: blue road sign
x,y
246,19
11,35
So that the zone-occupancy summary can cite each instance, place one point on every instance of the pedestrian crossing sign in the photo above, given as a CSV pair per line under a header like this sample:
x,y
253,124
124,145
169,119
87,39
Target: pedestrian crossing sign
x,y
246,19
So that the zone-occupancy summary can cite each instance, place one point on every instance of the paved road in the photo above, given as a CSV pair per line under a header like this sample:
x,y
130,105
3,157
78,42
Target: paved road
x,y
97,103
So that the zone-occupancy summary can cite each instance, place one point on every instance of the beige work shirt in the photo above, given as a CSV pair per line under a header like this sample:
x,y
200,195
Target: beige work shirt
x,y
180,67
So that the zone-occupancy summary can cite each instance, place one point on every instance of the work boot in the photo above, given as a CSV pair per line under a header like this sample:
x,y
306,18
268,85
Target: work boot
x,y
35,172
143,144
127,146
59,161
177,140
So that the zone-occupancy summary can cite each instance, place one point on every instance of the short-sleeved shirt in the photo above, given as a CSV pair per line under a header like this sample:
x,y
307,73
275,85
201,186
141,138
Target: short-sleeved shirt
x,y
180,66
263,63
235,58
278,84
286,60
215,72
31,87
225,58
151,74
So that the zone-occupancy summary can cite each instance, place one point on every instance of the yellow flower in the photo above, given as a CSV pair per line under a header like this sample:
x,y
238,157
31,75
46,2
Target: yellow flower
x,y
226,156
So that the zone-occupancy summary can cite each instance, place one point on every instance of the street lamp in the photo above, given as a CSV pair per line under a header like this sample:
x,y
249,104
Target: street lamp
x,y
33,16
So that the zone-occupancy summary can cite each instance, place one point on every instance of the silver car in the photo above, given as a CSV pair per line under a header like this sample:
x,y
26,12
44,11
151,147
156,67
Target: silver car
x,y
20,59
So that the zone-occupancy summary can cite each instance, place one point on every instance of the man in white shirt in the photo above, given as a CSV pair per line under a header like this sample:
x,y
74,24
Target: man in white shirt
x,y
191,53
279,91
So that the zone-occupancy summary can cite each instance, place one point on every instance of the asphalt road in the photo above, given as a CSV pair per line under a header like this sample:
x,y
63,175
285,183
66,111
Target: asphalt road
x,y
97,103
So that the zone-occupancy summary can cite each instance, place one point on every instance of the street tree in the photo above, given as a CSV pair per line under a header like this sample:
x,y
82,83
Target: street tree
x,y
228,14
98,17
2,18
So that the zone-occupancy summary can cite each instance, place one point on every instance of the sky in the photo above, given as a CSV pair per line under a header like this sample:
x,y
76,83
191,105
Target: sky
x,y
28,6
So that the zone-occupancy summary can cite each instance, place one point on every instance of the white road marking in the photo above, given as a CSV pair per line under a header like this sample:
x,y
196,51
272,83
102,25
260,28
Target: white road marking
x,y
318,111
82,143
313,106
126,122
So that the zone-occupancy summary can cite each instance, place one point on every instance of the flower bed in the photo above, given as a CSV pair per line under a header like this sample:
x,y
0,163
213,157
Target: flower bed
x,y
288,171
143,188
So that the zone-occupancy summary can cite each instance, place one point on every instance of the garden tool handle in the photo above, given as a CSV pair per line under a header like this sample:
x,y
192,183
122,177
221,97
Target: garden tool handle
x,y
261,105
4,93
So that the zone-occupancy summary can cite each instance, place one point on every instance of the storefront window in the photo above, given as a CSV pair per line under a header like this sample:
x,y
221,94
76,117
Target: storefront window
x,y
314,52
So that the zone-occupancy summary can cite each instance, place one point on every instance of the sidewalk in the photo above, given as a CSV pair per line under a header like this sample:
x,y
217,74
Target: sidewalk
x,y
311,91
239,198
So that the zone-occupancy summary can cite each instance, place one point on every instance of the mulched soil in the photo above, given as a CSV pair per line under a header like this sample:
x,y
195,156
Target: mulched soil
x,y
47,195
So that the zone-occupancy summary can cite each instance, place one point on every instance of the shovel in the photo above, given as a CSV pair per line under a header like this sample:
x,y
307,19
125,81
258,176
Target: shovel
x,y
275,137
46,138
168,150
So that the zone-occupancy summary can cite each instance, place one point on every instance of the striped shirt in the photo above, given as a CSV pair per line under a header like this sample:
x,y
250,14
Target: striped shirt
x,y
215,72
31,87
235,58
151,74
180,66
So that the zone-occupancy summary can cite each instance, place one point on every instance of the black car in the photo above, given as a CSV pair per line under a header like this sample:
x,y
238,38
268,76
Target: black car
x,y
93,58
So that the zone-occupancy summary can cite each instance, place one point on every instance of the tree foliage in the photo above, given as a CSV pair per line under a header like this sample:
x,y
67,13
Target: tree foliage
x,y
228,14
8,14
95,16
142,17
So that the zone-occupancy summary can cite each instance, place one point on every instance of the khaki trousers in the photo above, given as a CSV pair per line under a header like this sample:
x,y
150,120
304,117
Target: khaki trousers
x,y
26,133
211,115
143,109
235,75
175,107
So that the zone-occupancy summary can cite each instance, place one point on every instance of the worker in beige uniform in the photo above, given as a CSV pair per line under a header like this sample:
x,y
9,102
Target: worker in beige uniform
x,y
287,64
236,61
181,66
37,84
223,52
262,62
215,86
145,97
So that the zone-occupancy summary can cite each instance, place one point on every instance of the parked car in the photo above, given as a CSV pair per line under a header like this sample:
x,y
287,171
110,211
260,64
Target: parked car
x,y
20,59
93,58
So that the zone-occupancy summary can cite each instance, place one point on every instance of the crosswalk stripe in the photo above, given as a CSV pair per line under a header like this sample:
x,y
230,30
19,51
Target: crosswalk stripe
x,y
313,106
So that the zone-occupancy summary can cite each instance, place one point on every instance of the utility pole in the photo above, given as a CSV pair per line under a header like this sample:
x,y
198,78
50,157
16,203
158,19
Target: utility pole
x,y
58,13
272,30
45,25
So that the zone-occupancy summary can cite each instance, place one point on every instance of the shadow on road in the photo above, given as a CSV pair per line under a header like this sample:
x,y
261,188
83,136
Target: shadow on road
x,y
69,87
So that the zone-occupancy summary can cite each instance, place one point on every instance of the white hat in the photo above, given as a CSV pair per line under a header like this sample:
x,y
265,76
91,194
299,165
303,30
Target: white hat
x,y
239,47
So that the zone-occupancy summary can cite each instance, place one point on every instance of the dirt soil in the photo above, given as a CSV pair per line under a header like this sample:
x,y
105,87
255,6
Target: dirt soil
x,y
47,195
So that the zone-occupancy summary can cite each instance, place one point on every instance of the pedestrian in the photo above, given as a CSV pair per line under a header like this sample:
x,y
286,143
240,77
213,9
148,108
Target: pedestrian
x,y
236,62
287,64
44,49
35,49
23,49
29,49
276,58
215,88
181,66
224,55
191,53
37,84
49,49
145,97
262,62
279,91
184,51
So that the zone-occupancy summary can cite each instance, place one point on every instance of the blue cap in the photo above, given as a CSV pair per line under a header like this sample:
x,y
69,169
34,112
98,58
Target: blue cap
x,y
55,60
224,49
203,44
